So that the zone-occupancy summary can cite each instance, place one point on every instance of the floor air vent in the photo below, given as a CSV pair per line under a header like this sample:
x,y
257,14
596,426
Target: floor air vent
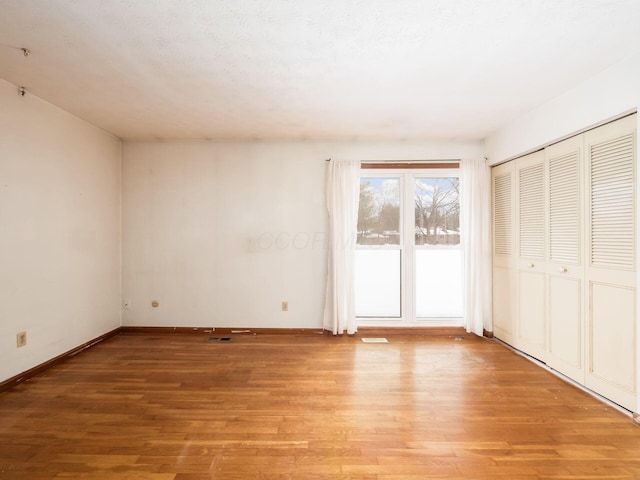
x,y
374,340
219,339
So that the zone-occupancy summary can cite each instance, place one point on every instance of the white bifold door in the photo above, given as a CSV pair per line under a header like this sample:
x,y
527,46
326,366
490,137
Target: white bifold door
x,y
565,267
531,265
564,261
504,228
611,267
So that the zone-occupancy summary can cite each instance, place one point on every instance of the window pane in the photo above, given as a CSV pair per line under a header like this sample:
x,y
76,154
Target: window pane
x,y
438,283
437,211
377,281
379,211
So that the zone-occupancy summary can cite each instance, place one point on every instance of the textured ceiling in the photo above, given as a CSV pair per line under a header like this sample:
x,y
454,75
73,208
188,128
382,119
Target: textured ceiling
x,y
292,69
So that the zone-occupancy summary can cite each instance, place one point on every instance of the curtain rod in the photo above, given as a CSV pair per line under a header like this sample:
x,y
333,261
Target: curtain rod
x,y
448,160
409,164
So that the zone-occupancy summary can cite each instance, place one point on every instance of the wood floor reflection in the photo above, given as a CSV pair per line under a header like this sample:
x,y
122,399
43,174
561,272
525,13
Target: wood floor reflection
x,y
181,407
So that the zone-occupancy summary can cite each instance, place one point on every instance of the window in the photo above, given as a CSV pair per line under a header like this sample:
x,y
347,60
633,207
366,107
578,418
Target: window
x,y
408,256
438,257
378,264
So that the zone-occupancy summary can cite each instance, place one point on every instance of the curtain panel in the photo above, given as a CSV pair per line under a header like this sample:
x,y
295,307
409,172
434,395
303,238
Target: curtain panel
x,y
475,211
343,194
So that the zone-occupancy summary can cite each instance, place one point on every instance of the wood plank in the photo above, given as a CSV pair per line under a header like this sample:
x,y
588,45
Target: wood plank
x,y
298,405
38,369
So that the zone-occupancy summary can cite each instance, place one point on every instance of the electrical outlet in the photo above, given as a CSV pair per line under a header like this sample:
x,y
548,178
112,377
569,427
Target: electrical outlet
x,y
285,306
21,339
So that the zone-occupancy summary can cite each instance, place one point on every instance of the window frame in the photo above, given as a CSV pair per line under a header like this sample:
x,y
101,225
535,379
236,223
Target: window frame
x,y
365,174
407,247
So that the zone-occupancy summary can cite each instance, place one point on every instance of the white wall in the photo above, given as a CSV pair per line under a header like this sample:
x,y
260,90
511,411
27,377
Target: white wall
x,y
610,94
60,231
221,233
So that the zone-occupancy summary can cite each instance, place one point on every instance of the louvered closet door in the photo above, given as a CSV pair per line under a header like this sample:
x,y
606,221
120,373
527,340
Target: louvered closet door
x,y
611,267
565,270
531,255
503,208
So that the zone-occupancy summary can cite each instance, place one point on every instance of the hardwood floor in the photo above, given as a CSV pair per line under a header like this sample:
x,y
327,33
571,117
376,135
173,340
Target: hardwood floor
x,y
308,407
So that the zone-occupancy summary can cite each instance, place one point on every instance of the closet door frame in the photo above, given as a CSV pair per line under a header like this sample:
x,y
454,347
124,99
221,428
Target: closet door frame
x,y
602,310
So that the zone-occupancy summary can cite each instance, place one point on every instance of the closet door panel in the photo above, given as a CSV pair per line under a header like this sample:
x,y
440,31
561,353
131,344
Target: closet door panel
x,y
503,208
612,350
531,255
565,266
565,326
503,295
531,313
611,268
531,207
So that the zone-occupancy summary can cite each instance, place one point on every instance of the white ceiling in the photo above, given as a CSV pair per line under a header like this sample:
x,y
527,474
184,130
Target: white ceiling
x,y
293,69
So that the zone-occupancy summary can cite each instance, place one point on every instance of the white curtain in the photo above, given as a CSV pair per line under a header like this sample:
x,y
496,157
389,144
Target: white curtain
x,y
343,193
475,212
